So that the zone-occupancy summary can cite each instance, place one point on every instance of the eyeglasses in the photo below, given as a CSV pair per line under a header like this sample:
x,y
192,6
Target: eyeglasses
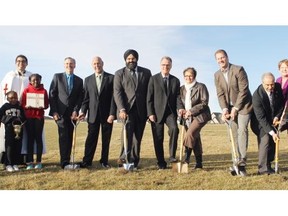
x,y
21,61
189,76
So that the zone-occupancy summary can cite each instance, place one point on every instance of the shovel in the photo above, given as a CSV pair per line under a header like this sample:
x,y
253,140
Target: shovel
x,y
277,155
276,159
234,169
75,124
127,166
181,167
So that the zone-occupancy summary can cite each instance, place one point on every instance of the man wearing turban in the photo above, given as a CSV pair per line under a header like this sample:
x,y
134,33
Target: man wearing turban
x,y
130,90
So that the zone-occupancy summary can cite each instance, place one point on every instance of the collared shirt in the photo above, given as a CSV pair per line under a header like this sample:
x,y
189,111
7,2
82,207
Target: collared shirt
x,y
98,78
225,73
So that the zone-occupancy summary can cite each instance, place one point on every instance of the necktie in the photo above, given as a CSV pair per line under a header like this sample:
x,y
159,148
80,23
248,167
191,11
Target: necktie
x,y
98,82
133,74
271,102
165,84
70,84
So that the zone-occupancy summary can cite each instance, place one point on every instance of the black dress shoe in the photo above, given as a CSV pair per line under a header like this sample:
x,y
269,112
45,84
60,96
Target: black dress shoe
x,y
271,170
242,171
85,165
162,167
263,173
198,166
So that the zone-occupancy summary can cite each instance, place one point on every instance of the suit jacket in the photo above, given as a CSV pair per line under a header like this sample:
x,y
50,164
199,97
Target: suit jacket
x,y
157,100
262,116
95,101
236,92
60,100
199,102
126,92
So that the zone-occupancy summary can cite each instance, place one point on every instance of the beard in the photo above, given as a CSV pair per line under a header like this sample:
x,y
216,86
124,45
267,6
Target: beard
x,y
131,65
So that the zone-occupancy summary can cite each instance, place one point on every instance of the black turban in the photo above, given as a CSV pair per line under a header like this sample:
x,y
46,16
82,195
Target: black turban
x,y
131,51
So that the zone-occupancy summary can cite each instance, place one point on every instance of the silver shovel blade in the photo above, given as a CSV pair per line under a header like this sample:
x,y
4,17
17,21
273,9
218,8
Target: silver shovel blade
x,y
234,170
128,166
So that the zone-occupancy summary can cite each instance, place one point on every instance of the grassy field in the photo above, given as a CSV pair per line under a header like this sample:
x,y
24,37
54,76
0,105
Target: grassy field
x,y
214,176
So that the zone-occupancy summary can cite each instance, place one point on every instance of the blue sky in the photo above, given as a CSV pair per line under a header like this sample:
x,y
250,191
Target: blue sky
x,y
257,48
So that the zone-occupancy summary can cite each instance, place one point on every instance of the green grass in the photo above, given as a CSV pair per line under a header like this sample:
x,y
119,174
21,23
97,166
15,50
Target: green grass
x,y
214,176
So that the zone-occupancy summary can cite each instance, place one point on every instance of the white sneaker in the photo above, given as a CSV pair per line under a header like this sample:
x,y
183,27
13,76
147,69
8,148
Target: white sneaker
x,y
9,168
15,167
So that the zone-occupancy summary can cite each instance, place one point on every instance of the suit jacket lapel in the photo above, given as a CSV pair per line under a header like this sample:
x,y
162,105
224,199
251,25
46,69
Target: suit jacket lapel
x,y
194,90
93,84
64,79
104,79
161,81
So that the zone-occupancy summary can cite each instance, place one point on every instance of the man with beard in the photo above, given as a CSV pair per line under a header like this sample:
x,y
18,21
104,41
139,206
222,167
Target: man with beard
x,y
130,90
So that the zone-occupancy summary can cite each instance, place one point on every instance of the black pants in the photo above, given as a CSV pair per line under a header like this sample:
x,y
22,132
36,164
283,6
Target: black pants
x,y
13,146
34,129
135,129
158,136
65,132
92,139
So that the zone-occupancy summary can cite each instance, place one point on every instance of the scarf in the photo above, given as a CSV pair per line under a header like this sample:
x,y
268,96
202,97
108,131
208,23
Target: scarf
x,y
188,87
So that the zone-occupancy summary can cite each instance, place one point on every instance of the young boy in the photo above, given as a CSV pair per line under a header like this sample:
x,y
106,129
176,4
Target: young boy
x,y
12,113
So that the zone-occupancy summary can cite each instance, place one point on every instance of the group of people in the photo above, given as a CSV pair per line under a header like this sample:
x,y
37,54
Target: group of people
x,y
264,110
134,96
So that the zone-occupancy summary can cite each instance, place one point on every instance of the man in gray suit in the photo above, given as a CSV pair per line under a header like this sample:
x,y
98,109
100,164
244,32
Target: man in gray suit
x,y
162,103
98,101
130,90
235,100
65,97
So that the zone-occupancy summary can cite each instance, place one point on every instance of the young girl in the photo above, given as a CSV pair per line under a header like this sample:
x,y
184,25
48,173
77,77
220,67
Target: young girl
x,y
10,113
34,101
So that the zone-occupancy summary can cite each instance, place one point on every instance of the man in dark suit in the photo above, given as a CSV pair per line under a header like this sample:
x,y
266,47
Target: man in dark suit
x,y
268,105
130,91
65,97
162,103
235,100
98,101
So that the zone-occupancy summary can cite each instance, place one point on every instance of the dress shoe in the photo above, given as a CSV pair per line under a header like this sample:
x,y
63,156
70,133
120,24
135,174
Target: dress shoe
x,y
270,170
263,173
198,166
85,165
173,160
105,165
242,171
161,167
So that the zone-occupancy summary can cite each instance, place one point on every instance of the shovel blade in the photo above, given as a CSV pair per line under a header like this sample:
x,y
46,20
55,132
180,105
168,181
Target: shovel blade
x,y
128,166
180,167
